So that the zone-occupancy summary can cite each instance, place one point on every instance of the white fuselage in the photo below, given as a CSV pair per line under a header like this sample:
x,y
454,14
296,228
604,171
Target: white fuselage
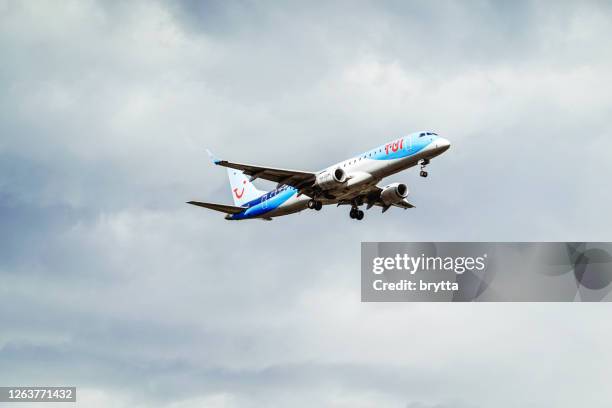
x,y
369,168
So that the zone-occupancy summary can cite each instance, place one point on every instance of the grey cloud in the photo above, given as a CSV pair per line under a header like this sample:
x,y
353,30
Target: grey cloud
x,y
112,283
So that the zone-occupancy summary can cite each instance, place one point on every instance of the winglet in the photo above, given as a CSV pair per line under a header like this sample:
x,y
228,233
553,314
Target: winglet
x,y
212,157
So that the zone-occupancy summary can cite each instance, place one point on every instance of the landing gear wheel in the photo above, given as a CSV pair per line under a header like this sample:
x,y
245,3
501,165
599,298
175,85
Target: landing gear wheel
x,y
423,173
314,204
356,214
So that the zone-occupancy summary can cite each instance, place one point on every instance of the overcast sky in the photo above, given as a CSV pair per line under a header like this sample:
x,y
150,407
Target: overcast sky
x,y
111,283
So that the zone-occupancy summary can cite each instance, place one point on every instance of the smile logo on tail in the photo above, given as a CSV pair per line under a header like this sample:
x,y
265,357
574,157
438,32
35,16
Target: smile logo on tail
x,y
239,195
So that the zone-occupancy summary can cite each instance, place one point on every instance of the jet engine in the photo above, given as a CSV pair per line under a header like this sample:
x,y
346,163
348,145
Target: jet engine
x,y
329,180
394,193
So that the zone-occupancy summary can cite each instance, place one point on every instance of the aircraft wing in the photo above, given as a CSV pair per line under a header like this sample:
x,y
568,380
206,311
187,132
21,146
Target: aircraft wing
x,y
403,204
295,178
228,209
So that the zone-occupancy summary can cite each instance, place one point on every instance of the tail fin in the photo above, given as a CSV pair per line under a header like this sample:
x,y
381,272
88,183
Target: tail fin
x,y
243,190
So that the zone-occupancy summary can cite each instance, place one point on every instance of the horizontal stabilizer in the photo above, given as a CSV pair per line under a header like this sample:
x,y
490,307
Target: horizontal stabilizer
x,y
228,209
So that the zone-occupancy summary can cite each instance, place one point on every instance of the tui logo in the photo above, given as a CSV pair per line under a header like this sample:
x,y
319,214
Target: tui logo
x,y
241,193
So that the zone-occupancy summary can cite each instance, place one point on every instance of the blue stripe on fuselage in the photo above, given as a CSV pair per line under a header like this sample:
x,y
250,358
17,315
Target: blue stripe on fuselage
x,y
266,203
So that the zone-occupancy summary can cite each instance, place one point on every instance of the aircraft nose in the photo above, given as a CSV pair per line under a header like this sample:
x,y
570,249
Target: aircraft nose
x,y
442,144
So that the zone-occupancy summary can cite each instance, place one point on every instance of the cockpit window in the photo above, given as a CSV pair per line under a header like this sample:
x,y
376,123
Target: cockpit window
x,y
422,134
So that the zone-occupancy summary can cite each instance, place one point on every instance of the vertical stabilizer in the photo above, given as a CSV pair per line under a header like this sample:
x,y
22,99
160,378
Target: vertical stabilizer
x,y
243,190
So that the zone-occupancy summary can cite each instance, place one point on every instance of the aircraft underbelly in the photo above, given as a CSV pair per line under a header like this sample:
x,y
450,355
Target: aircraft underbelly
x,y
292,205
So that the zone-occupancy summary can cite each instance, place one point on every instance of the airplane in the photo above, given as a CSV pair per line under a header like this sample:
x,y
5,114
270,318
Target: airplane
x,y
351,182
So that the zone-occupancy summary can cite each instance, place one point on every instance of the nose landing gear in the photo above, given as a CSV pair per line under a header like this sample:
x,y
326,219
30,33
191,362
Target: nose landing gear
x,y
424,163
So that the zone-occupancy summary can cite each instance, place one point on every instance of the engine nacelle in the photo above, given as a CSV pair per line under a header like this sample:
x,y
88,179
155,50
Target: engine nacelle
x,y
329,180
394,193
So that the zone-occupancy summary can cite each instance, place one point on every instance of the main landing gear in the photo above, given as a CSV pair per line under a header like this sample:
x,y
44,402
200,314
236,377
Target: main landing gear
x,y
424,163
356,213
315,204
